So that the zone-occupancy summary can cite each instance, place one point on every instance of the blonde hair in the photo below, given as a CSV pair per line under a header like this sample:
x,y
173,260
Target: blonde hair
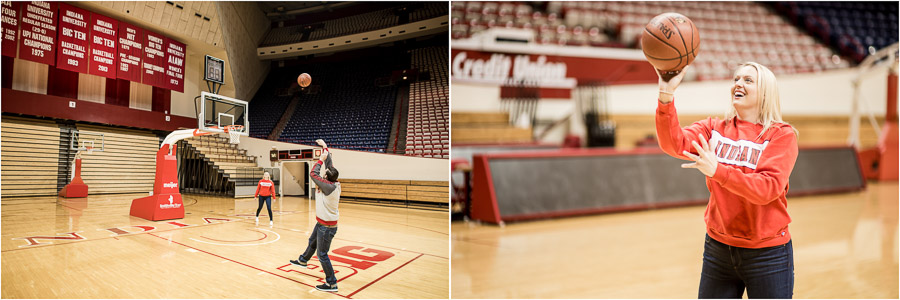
x,y
769,100
266,174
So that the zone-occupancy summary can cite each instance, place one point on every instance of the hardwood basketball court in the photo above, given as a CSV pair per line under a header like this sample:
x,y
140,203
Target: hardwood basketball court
x,y
845,246
216,251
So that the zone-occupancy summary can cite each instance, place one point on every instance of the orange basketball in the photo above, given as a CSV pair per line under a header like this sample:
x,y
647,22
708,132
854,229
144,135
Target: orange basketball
x,y
670,41
304,80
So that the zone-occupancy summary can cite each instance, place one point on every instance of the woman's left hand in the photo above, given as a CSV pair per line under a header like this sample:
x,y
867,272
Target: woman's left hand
x,y
706,162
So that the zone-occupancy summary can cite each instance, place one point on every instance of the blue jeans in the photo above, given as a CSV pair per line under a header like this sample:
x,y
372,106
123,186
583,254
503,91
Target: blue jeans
x,y
268,201
765,272
319,243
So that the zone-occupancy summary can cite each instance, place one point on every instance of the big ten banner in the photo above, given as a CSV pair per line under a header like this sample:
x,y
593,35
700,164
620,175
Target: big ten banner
x,y
73,39
131,52
103,45
153,72
546,71
11,15
38,32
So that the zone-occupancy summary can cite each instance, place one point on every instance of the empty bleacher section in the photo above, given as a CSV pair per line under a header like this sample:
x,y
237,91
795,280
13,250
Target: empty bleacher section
x,y
348,113
212,165
429,105
127,163
30,160
284,35
355,24
270,101
850,27
393,15
427,10
731,32
487,128
400,190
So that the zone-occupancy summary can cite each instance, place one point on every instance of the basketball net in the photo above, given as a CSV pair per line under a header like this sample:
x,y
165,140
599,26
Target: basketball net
x,y
234,133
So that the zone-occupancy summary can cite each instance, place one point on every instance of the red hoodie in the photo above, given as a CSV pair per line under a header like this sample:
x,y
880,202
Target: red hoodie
x,y
747,205
265,188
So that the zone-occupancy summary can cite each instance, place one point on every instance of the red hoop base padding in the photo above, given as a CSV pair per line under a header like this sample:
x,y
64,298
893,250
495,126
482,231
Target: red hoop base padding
x,y
868,162
890,156
76,188
158,207
165,202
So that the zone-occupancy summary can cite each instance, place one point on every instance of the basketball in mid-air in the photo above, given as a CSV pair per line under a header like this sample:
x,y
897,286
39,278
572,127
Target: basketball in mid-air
x,y
670,42
304,80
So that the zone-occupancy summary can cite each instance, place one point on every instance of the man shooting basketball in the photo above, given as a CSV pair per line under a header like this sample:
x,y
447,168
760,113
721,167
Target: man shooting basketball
x,y
328,194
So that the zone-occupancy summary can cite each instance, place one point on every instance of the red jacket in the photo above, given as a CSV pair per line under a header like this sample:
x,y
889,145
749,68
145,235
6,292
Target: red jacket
x,y
747,205
265,188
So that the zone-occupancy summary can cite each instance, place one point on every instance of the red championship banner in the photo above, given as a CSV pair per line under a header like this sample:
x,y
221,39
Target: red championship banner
x,y
103,45
153,66
11,13
131,52
38,37
72,48
175,54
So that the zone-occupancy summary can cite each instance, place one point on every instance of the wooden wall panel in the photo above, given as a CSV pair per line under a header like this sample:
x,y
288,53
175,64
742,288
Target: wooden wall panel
x,y
30,159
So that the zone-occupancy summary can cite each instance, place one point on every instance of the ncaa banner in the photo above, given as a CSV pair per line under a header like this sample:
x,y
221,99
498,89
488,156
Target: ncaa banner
x,y
11,18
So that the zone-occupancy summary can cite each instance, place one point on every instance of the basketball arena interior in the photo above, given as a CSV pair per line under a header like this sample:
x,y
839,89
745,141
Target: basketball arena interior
x,y
110,108
561,191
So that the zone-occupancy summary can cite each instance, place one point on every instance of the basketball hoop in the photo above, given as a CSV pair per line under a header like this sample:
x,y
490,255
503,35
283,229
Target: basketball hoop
x,y
88,149
234,133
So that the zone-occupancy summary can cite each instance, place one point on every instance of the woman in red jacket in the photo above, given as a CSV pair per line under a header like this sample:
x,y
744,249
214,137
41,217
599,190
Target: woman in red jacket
x,y
747,158
265,192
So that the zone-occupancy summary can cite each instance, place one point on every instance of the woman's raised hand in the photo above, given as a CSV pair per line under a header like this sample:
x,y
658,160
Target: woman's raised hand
x,y
667,87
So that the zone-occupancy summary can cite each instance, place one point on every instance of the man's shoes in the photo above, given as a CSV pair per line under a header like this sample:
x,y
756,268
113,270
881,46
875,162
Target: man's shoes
x,y
257,221
327,288
298,263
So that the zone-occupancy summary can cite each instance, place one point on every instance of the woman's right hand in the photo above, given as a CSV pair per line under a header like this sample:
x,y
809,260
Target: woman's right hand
x,y
667,88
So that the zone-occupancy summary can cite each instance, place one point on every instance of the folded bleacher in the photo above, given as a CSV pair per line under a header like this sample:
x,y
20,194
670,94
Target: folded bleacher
x,y
428,133
378,19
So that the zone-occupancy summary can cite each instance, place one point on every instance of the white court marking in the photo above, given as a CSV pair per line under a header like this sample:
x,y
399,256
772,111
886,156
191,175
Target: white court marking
x,y
277,237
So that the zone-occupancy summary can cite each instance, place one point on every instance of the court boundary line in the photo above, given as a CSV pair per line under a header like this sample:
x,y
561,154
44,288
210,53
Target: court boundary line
x,y
385,275
349,296
240,263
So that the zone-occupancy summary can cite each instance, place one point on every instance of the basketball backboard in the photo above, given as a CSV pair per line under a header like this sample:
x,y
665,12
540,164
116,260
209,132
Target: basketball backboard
x,y
86,141
217,111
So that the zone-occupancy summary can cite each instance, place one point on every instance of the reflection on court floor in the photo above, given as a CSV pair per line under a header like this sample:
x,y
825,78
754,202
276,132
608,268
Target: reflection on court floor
x,y
845,246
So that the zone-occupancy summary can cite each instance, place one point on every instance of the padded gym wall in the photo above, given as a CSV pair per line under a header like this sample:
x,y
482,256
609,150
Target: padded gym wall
x,y
520,186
